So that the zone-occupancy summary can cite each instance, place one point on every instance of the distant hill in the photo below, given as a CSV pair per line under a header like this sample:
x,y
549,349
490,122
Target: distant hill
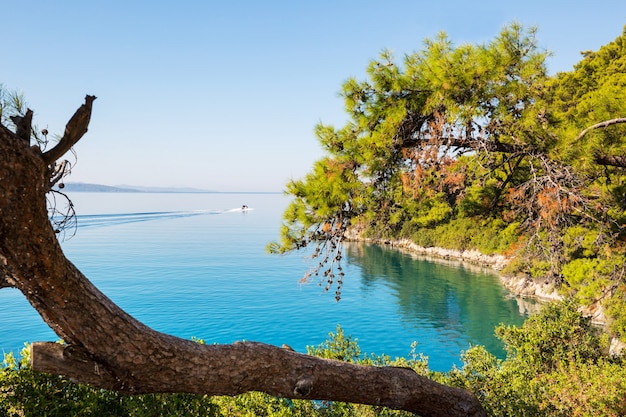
x,y
139,188
99,188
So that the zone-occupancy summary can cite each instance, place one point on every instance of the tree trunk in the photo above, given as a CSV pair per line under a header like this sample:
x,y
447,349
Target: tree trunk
x,y
107,348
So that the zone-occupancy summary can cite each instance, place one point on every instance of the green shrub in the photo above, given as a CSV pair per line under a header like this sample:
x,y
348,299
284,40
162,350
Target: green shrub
x,y
559,333
557,365
585,389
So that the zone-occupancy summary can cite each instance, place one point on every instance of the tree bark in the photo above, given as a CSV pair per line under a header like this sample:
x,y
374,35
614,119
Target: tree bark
x,y
107,348
74,130
610,160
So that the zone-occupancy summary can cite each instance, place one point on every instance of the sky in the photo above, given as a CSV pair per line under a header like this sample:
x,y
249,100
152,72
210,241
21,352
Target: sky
x,y
224,96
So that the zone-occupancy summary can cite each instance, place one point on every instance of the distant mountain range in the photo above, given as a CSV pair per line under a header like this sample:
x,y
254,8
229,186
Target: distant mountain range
x,y
99,188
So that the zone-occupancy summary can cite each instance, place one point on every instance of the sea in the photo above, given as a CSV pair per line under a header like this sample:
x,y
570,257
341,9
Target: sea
x,y
195,265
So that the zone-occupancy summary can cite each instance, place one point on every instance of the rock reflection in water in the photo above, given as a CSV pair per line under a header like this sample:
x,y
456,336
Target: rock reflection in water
x,y
452,297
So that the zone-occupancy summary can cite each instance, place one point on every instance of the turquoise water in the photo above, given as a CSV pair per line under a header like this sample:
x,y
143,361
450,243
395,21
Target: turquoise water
x,y
194,265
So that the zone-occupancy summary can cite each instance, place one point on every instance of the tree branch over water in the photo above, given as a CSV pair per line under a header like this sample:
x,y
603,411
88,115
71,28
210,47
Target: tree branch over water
x,y
108,348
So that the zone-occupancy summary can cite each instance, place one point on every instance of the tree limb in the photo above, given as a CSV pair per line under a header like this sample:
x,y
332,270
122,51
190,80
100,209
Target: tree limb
x,y
110,349
57,172
478,144
610,160
473,144
74,130
249,366
600,125
602,158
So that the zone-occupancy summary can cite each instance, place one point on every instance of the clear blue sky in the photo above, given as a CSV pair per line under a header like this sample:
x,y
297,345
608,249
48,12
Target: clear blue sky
x,y
224,95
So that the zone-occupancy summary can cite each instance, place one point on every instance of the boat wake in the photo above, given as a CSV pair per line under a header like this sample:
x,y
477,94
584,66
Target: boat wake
x,y
242,209
102,220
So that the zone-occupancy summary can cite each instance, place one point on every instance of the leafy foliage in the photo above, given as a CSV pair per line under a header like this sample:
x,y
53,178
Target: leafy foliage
x,y
557,365
477,147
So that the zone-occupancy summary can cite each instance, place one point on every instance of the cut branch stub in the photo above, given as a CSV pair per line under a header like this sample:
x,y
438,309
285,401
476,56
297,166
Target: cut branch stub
x,y
23,125
74,130
610,160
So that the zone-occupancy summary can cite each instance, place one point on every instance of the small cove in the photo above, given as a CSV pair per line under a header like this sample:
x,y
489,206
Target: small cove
x,y
192,265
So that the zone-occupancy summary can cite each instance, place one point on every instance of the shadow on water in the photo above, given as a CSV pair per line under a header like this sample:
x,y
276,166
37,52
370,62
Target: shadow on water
x,y
452,297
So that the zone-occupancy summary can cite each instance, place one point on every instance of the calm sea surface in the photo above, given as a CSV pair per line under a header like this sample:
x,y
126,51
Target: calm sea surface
x,y
193,265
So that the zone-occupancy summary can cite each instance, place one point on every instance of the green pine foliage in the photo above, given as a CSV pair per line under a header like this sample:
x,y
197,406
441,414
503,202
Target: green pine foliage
x,y
477,147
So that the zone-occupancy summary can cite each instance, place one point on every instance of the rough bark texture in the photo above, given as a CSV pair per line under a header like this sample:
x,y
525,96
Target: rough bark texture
x,y
107,348
610,160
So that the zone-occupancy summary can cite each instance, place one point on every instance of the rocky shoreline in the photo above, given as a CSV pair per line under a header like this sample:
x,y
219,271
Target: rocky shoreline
x,y
522,287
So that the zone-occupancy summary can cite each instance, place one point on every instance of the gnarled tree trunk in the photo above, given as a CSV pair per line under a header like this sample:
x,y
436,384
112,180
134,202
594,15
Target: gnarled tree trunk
x,y
107,348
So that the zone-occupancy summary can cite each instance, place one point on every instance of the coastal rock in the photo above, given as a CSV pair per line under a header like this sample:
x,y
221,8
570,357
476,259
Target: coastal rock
x,y
521,286
524,286
496,262
617,347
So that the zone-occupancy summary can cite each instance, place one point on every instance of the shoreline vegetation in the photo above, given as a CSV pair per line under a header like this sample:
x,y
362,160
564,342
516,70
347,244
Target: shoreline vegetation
x,y
478,149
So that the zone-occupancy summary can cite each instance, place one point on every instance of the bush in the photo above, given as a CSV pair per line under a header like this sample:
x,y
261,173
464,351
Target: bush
x,y
559,333
557,365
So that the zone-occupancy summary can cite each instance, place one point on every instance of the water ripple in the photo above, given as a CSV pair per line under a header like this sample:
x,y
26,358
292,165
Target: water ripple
x,y
102,220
